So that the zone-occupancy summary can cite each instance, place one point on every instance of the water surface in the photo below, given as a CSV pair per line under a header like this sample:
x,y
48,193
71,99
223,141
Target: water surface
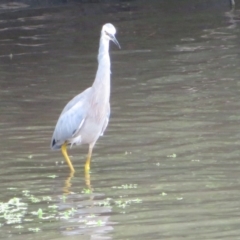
x,y
168,165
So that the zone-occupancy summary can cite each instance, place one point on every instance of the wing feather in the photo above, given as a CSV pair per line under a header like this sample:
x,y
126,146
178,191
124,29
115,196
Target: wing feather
x,y
71,119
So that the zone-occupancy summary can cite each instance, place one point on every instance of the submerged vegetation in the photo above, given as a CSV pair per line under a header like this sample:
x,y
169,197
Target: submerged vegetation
x,y
28,211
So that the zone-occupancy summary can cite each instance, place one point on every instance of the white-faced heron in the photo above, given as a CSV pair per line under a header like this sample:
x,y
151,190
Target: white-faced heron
x,y
85,118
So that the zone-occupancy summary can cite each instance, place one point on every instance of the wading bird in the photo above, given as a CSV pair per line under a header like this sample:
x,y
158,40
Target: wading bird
x,y
85,118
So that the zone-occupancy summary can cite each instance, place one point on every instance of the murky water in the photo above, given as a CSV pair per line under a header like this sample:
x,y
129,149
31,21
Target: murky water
x,y
168,165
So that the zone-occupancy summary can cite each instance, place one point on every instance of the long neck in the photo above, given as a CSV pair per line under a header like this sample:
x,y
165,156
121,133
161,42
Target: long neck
x,y
101,85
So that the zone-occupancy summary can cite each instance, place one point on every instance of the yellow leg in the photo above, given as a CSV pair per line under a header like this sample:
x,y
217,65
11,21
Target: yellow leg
x,y
87,164
65,154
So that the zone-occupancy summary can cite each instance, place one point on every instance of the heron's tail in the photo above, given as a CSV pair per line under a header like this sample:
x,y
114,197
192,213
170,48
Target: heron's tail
x,y
54,145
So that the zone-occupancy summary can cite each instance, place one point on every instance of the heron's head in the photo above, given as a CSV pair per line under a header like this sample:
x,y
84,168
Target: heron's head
x,y
108,32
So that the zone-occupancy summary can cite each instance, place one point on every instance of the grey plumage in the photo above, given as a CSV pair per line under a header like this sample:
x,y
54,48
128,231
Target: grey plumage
x,y
86,116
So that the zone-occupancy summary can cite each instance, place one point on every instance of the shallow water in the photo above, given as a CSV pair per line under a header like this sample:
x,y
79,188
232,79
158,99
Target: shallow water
x,y
168,164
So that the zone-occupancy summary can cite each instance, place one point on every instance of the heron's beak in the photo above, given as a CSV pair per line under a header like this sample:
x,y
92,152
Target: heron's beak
x,y
115,40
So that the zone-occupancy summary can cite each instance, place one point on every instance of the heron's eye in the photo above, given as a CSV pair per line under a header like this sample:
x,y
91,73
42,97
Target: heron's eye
x,y
107,33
